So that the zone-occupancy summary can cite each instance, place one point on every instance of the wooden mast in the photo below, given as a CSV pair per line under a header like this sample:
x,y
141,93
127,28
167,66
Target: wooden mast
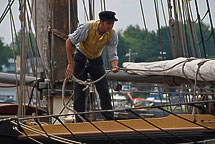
x,y
63,21
60,22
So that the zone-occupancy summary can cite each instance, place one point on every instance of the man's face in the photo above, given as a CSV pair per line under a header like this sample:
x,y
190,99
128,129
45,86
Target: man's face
x,y
107,25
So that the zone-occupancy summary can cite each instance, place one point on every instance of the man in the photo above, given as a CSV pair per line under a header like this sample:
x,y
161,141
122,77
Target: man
x,y
88,42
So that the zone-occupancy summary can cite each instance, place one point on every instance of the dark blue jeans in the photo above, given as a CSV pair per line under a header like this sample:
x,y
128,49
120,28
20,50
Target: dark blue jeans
x,y
96,69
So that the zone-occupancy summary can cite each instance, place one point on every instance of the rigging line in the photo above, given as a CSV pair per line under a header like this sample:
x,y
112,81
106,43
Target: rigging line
x,y
36,54
51,47
36,120
185,28
184,36
104,5
85,10
29,20
27,67
16,37
101,5
114,140
183,66
28,51
188,120
171,23
32,47
200,27
29,137
194,90
93,9
190,10
90,10
75,15
190,27
168,34
181,31
53,137
144,22
99,111
31,97
205,15
17,121
168,98
29,6
26,136
6,10
57,118
211,22
178,35
69,13
164,14
195,20
154,139
14,56
165,131
209,37
185,61
158,24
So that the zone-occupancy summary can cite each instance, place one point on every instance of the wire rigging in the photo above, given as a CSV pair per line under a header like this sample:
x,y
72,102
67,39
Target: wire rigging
x,y
8,7
200,27
144,22
211,22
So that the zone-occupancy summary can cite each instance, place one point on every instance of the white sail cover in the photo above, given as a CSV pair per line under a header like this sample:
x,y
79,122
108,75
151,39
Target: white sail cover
x,y
181,67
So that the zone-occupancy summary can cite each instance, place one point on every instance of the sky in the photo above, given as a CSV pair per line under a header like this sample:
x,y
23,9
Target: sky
x,y
127,11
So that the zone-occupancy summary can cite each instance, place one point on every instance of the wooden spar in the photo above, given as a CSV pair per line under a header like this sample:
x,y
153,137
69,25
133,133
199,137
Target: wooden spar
x,y
121,76
12,79
177,30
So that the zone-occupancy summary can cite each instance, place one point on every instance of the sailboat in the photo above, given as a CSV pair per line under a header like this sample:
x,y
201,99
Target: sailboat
x,y
191,78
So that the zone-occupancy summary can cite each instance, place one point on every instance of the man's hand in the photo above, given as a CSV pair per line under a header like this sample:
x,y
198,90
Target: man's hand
x,y
114,64
69,70
115,69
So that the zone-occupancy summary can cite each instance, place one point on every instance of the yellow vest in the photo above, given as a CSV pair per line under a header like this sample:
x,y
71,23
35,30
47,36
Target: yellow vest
x,y
92,47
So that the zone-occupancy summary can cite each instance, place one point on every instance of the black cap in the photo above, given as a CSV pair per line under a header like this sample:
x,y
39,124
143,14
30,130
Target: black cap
x,y
107,16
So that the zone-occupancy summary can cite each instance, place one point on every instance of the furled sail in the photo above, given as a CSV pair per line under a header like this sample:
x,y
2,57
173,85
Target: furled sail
x,y
191,68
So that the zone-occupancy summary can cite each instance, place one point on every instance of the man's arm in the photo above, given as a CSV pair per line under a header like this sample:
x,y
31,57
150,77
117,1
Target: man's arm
x,y
70,48
79,35
112,52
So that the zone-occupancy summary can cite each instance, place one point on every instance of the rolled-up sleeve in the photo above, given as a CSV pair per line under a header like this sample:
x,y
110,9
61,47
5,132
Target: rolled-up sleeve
x,y
80,34
112,47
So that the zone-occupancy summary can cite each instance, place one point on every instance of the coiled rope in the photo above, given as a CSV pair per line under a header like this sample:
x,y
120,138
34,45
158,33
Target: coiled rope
x,y
85,83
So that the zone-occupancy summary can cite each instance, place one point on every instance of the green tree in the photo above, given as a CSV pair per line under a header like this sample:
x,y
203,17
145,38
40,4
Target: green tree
x,y
29,43
134,38
5,54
